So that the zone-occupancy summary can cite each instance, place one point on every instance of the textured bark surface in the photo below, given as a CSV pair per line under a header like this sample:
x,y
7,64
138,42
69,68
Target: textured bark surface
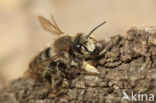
x,y
126,64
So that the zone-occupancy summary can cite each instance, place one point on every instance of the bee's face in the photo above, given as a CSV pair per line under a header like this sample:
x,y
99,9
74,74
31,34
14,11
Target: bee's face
x,y
83,45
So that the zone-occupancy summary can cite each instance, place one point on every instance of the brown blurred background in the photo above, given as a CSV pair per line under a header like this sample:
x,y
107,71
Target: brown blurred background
x,y
21,36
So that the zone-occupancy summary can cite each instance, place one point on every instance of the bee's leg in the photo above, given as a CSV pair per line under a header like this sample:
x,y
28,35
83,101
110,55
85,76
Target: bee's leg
x,y
63,88
89,68
47,77
47,94
58,85
52,84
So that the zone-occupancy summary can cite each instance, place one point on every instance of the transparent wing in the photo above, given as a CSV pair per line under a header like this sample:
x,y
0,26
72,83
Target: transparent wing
x,y
34,72
48,26
57,27
44,63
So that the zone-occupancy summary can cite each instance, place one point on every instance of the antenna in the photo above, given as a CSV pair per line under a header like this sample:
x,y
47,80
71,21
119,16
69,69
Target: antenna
x,y
96,28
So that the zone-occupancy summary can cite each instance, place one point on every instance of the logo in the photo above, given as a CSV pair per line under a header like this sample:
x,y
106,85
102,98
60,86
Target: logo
x,y
138,97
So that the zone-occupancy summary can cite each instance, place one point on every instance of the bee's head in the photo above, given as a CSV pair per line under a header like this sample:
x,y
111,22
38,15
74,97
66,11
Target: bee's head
x,y
85,44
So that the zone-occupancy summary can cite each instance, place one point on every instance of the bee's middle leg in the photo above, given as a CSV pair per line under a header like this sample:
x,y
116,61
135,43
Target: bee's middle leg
x,y
58,87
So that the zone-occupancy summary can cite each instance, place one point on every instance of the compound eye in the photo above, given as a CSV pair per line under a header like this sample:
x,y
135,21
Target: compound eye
x,y
80,47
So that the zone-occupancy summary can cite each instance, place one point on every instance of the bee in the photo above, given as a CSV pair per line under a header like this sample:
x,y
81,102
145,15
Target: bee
x,y
64,59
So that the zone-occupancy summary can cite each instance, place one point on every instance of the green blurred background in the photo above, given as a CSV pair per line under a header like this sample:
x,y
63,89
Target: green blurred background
x,y
21,36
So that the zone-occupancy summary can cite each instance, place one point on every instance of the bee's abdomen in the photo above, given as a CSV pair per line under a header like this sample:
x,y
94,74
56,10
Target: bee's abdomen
x,y
43,55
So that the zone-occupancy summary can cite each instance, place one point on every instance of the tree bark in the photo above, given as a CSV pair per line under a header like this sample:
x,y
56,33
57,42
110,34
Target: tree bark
x,y
127,65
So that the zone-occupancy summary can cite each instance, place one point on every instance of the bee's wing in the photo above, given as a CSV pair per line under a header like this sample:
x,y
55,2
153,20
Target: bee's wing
x,y
34,72
48,26
53,19
44,63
